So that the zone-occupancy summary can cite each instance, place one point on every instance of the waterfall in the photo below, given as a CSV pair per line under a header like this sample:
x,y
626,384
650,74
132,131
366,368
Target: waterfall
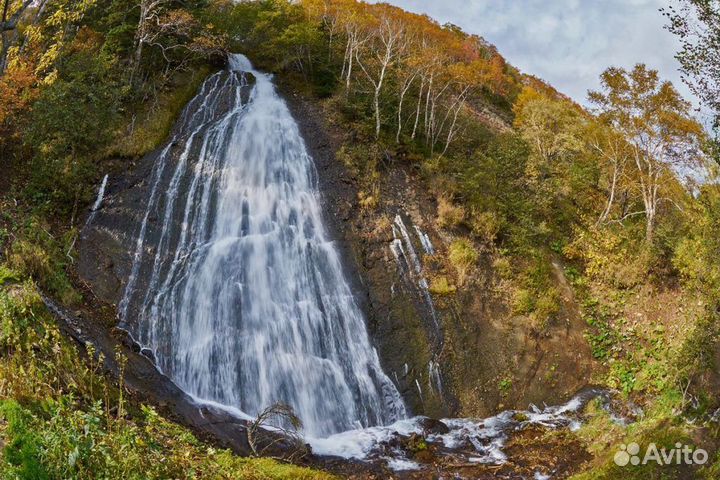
x,y
235,285
98,200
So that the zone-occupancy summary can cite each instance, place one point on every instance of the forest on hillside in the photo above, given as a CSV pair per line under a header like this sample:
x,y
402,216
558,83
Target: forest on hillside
x,y
623,194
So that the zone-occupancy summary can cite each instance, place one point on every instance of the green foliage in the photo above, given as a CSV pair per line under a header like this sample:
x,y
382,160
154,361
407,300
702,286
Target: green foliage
x,y
602,337
279,36
71,121
504,385
614,256
6,275
696,254
463,257
442,286
492,182
38,254
698,353
23,452
536,295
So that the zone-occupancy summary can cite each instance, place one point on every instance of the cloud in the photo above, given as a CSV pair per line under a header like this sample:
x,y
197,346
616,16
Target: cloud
x,y
566,42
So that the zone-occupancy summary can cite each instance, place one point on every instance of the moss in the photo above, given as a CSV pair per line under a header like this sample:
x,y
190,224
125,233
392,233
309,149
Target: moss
x,y
520,417
523,302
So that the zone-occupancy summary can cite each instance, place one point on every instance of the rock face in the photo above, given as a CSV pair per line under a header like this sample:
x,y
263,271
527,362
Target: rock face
x,y
463,353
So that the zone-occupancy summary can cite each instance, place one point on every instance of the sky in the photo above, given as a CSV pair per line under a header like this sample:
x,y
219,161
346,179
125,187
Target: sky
x,y
568,43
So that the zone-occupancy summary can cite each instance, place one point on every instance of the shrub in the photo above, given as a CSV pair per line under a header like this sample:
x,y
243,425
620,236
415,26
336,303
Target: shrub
x,y
611,256
463,257
449,214
37,254
486,226
441,286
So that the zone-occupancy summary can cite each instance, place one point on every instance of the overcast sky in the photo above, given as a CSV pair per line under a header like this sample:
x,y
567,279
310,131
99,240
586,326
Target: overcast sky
x,y
566,42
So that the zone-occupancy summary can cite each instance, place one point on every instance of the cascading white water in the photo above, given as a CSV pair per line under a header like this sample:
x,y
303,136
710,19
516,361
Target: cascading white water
x,y
98,200
242,296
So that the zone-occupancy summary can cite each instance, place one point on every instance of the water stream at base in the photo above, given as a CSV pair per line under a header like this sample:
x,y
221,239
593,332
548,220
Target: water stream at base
x,y
242,295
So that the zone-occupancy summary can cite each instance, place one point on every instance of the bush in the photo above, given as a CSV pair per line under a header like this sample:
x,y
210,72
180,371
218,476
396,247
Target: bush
x,y
463,257
441,286
612,256
37,254
485,226
449,214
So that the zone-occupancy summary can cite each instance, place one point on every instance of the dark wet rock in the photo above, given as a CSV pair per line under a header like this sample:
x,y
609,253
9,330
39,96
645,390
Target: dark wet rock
x,y
148,353
432,426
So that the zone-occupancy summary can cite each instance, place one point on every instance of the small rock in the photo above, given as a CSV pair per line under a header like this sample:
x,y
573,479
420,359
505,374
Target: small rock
x,y
433,426
149,354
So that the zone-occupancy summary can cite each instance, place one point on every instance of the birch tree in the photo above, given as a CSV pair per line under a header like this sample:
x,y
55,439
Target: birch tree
x,y
654,118
150,12
613,154
384,47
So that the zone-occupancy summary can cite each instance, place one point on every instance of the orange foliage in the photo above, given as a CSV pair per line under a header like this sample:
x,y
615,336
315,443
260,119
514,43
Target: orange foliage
x,y
18,90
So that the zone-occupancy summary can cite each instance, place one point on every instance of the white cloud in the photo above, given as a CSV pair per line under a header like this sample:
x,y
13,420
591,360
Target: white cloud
x,y
566,42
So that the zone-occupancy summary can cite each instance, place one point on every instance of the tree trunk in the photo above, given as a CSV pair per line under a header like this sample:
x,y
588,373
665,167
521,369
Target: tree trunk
x,y
417,111
650,225
377,113
611,197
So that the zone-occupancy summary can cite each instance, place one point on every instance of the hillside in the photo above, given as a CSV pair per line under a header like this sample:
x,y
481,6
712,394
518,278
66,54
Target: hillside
x,y
505,245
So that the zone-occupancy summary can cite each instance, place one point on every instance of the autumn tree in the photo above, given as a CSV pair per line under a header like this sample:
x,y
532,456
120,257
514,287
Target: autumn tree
x,y
697,25
13,11
551,128
388,41
655,119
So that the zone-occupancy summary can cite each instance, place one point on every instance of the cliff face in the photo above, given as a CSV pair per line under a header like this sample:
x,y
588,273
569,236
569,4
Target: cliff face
x,y
461,353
